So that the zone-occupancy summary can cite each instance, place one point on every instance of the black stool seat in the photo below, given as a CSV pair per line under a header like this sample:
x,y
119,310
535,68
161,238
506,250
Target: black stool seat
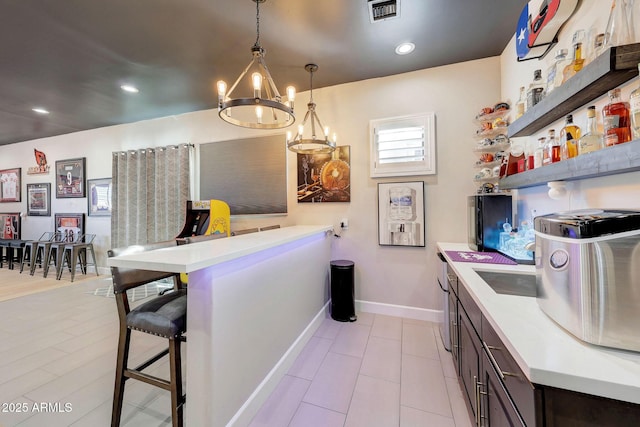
x,y
165,315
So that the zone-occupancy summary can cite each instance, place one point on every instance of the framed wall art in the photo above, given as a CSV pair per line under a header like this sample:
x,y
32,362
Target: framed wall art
x,y
10,223
71,225
99,196
70,176
325,177
39,199
10,185
401,214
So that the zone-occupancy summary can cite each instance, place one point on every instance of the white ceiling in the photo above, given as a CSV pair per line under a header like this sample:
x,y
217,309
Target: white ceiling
x,y
71,56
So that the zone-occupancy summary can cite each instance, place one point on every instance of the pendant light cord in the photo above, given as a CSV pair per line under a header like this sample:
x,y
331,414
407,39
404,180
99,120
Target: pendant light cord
x,y
257,43
311,86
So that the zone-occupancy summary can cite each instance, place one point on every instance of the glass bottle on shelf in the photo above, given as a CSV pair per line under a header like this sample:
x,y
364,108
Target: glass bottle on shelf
x,y
569,136
538,154
553,145
634,107
615,116
617,32
554,73
522,103
592,139
575,65
536,89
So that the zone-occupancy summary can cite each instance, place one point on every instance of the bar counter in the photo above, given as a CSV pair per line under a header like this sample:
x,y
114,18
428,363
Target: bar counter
x,y
253,302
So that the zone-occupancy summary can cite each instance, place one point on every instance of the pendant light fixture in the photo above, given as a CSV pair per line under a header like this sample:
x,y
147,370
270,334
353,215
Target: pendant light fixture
x,y
263,110
312,144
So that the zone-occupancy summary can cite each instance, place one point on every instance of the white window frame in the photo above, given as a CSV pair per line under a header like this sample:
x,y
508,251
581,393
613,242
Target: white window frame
x,y
425,167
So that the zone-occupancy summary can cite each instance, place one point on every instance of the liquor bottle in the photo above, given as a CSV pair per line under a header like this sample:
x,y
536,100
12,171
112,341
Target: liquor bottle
x,y
569,136
522,103
575,65
553,147
592,140
536,89
554,73
634,106
538,154
617,32
615,115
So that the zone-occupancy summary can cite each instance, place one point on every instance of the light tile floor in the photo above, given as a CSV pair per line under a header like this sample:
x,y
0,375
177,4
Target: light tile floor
x,y
58,347
379,371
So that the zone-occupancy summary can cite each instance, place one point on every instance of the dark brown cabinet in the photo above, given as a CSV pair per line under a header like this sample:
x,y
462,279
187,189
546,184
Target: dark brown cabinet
x,y
497,392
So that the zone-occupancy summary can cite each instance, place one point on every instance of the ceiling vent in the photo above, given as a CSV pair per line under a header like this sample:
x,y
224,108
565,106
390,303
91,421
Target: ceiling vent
x,y
381,10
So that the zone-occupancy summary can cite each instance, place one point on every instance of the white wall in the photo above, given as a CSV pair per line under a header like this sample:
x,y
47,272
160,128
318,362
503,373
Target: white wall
x,y
619,191
391,275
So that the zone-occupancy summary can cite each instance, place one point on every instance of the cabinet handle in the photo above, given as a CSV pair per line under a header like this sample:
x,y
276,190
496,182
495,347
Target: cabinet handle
x,y
475,382
502,373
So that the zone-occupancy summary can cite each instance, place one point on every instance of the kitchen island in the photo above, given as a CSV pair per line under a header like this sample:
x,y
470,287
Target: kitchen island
x,y
253,300
552,359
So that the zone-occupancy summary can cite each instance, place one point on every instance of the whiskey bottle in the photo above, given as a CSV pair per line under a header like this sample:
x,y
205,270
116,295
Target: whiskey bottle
x,y
536,89
522,103
553,147
575,65
569,136
615,116
592,140
554,73
634,105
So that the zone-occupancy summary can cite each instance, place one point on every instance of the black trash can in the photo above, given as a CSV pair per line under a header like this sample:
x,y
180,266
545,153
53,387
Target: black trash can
x,y
342,301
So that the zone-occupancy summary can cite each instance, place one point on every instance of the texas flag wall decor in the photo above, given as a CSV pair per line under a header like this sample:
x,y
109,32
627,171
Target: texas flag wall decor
x,y
539,25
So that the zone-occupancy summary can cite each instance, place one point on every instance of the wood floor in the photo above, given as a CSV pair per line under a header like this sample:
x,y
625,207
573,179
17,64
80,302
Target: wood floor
x,y
14,284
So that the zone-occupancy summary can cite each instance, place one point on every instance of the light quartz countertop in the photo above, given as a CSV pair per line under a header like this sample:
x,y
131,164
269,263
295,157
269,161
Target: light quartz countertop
x,y
196,256
546,353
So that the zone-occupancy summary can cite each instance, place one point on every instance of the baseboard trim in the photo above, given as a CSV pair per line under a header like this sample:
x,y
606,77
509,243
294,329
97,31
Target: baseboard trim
x,y
400,311
253,404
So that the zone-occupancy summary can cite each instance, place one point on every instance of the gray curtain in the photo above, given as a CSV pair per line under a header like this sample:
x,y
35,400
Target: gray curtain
x,y
150,190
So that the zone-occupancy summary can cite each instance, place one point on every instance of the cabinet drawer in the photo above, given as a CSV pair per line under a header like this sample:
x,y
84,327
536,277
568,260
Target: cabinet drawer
x,y
470,307
452,278
518,386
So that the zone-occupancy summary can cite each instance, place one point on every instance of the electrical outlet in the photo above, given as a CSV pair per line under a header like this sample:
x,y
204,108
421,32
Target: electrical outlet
x,y
344,223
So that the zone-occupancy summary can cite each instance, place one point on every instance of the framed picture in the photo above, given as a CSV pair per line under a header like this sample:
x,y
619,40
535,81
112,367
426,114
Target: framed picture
x,y
39,199
401,214
10,185
70,225
70,178
325,177
10,223
99,196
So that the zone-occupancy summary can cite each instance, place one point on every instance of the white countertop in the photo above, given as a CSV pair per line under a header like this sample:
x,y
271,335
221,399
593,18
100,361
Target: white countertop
x,y
196,256
546,353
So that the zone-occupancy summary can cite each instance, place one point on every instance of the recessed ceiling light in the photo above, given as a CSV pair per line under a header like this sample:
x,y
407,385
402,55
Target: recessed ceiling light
x,y
40,110
405,48
129,88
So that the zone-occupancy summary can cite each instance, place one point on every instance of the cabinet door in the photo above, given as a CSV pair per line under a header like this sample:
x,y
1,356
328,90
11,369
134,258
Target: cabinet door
x,y
454,330
497,409
470,357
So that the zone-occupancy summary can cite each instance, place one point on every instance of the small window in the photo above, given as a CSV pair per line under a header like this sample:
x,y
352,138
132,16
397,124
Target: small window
x,y
402,146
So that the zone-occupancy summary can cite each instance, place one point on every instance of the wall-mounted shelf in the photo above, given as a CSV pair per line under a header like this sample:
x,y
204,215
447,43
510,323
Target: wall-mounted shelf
x,y
607,161
613,67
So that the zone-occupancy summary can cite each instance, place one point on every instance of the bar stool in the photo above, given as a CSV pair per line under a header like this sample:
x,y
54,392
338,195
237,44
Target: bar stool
x,y
55,252
74,252
39,256
164,316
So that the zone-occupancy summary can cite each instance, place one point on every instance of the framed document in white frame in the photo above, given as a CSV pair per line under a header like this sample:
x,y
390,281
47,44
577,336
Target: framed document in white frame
x,y
401,214
99,196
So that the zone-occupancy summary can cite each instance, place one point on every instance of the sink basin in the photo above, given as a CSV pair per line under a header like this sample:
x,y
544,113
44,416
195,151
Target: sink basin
x,y
520,284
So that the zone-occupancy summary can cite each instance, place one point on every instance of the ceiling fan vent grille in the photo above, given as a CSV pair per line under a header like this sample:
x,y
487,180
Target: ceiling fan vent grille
x,y
380,10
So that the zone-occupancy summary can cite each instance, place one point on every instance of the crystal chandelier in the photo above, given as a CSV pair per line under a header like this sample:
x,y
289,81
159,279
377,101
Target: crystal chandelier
x,y
312,145
265,109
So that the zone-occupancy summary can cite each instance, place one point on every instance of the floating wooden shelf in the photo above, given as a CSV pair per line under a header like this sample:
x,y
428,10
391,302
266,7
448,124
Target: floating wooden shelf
x,y
608,161
609,70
